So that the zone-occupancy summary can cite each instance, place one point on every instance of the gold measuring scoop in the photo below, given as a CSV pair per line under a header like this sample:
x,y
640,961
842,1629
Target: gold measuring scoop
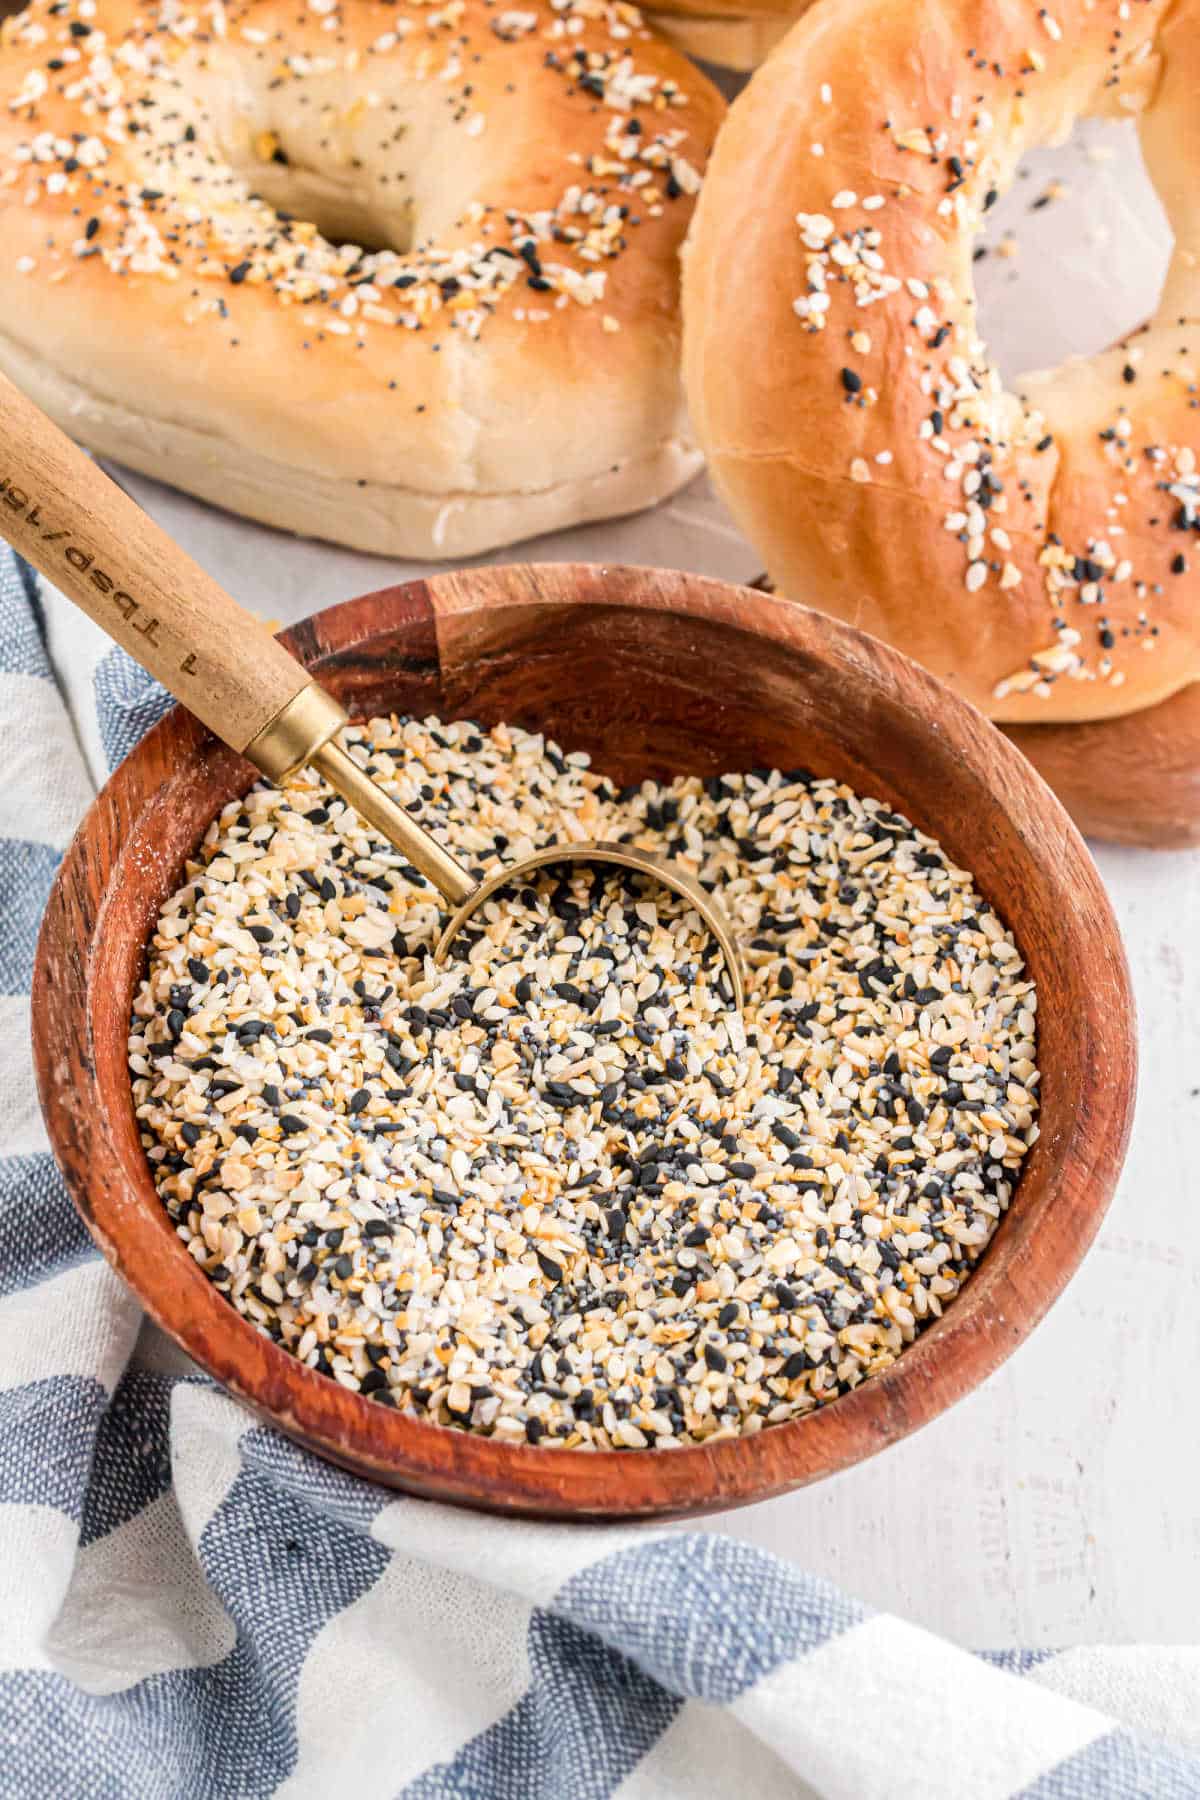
x,y
94,543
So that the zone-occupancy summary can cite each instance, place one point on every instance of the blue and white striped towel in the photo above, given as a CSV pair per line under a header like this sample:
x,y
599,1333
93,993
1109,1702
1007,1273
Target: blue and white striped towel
x,y
191,1606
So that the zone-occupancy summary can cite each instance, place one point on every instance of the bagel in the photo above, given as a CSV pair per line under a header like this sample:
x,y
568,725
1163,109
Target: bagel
x,y
400,276
1039,548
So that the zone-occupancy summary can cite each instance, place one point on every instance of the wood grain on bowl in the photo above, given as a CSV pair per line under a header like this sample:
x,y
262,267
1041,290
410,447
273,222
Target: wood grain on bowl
x,y
654,673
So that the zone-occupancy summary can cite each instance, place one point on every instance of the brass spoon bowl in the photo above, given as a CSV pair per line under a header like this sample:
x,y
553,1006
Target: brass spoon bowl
x,y
622,856
453,882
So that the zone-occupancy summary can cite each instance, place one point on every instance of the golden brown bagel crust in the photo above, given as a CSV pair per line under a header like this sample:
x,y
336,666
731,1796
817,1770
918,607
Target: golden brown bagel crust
x,y
508,365
1039,550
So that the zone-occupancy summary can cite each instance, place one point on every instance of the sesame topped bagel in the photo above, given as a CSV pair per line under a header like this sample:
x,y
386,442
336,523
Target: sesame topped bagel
x,y
402,276
1036,546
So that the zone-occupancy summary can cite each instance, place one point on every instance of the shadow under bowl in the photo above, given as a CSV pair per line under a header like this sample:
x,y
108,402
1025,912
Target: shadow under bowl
x,y
654,673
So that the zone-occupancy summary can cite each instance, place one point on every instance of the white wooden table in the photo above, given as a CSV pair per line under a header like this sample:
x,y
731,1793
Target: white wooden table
x,y
1058,1503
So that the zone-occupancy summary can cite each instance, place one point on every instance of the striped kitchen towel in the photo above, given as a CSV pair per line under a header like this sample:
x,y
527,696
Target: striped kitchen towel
x,y
191,1606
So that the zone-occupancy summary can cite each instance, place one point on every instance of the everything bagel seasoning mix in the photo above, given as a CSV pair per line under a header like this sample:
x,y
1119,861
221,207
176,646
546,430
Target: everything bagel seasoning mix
x,y
557,1191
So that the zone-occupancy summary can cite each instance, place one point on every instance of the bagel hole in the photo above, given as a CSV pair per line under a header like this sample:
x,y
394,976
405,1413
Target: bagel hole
x,y
1075,252
334,199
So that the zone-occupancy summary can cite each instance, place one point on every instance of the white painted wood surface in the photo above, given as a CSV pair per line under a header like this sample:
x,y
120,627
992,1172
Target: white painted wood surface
x,y
1058,1503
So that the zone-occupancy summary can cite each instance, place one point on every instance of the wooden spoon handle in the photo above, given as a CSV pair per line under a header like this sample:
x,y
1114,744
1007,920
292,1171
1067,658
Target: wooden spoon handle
x,y
64,515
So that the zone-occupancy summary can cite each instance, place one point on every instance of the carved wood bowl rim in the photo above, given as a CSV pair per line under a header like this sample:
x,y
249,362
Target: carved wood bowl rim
x,y
109,885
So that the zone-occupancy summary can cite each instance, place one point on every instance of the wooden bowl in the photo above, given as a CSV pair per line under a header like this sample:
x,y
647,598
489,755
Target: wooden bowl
x,y
654,673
